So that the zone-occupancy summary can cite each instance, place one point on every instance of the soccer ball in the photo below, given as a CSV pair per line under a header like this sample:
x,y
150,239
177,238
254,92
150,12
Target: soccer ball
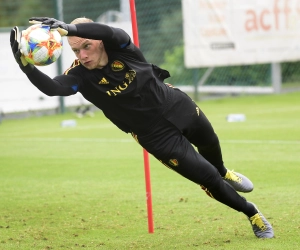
x,y
40,45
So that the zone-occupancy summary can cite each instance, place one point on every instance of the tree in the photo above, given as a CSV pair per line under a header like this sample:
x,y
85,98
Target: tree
x,y
17,13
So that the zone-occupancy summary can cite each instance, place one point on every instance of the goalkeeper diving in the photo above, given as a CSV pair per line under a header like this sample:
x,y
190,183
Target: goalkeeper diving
x,y
113,74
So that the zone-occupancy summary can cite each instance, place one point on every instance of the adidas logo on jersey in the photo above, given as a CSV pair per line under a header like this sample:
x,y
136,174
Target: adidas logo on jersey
x,y
103,81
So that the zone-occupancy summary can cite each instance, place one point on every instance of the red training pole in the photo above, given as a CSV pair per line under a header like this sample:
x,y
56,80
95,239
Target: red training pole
x,y
148,191
135,32
145,153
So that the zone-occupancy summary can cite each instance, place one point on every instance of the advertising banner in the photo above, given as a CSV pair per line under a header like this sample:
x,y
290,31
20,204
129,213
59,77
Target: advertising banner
x,y
237,32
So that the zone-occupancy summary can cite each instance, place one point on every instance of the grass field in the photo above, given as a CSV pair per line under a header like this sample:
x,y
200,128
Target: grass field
x,y
83,187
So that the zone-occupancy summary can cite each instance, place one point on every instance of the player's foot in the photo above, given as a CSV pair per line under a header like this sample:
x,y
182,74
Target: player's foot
x,y
260,226
238,181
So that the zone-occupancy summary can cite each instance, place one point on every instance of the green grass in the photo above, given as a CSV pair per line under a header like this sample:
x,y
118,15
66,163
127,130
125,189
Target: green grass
x,y
83,187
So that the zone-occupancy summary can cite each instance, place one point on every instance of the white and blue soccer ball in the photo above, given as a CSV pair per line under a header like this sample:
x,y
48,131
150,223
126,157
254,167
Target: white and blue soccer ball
x,y
41,45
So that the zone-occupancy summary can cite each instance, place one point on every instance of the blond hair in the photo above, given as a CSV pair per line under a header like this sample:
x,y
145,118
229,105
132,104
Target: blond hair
x,y
81,20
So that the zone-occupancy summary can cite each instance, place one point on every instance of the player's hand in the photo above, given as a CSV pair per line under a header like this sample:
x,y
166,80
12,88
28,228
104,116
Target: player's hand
x,y
15,47
60,26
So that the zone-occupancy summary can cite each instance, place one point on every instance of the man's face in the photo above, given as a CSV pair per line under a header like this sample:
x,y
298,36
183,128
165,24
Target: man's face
x,y
90,52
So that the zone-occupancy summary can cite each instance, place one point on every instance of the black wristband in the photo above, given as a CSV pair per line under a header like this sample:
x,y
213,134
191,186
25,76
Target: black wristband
x,y
27,69
72,30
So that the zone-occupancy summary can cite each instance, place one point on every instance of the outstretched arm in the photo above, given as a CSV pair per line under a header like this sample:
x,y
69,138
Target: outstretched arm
x,y
63,85
109,35
97,31
59,86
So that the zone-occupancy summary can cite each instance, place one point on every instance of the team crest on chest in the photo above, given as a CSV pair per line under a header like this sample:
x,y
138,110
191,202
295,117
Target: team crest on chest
x,y
117,65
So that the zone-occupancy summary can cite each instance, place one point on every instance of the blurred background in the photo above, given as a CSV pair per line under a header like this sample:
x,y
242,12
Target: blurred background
x,y
160,25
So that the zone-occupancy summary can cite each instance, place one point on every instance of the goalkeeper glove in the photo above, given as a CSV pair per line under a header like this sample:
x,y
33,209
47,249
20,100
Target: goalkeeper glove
x,y
63,28
15,47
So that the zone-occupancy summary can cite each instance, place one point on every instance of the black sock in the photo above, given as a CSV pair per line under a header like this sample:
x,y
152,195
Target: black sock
x,y
251,210
222,171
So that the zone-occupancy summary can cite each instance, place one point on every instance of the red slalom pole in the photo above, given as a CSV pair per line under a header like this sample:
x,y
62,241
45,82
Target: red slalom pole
x,y
135,32
148,191
145,153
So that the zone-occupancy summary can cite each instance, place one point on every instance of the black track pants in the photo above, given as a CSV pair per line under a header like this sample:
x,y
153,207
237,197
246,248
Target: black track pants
x,y
171,141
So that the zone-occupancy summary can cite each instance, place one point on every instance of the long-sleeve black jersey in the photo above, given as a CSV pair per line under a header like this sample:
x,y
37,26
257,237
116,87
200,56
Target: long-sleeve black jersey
x,y
129,90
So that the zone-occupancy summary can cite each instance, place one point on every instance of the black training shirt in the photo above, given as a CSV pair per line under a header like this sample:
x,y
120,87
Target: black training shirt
x,y
129,90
